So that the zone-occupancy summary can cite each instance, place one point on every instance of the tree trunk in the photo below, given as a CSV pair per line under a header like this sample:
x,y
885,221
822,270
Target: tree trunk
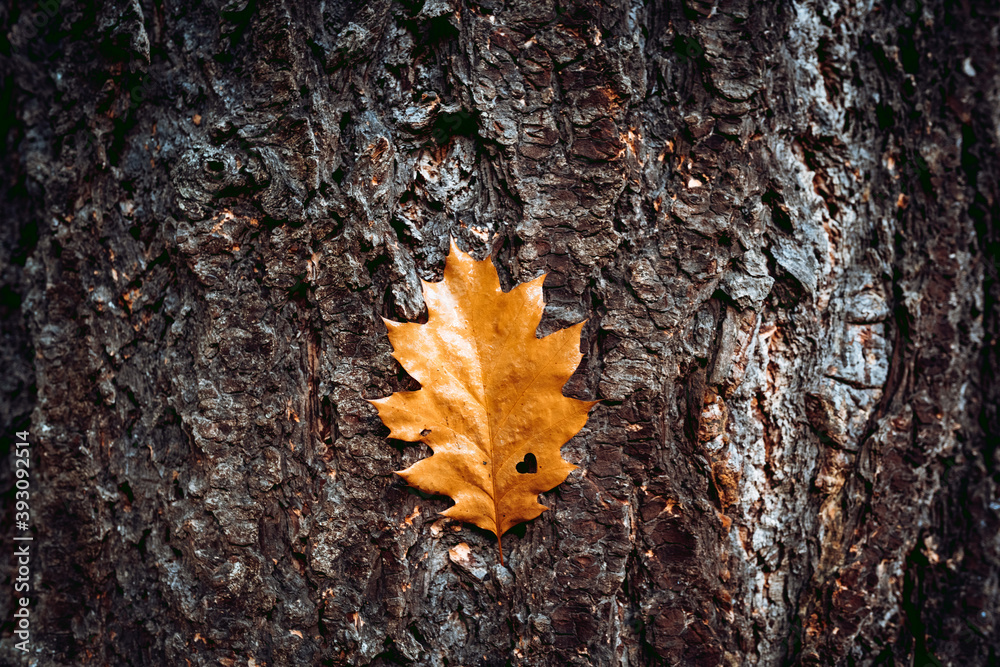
x,y
779,220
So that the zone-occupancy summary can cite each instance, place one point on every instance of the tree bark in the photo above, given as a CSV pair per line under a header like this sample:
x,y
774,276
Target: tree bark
x,y
780,221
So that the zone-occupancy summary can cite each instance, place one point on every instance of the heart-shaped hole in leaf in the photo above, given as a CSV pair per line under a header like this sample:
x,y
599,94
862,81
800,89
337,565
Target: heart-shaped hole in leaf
x,y
529,466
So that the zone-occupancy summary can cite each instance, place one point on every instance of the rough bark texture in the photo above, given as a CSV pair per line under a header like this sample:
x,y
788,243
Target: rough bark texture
x,y
781,220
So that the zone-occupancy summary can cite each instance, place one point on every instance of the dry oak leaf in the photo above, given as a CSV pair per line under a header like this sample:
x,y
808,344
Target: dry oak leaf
x,y
490,404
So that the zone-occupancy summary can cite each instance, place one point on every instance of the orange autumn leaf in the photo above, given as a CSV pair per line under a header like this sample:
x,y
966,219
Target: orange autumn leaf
x,y
490,404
